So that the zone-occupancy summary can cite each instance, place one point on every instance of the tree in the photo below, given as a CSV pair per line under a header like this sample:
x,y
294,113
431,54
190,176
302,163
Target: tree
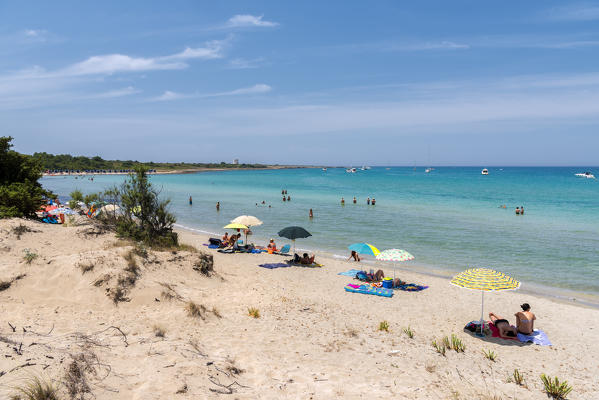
x,y
21,194
145,216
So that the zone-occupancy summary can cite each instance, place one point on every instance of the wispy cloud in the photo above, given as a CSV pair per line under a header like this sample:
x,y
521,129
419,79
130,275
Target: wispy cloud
x,y
248,21
423,46
243,63
256,89
573,12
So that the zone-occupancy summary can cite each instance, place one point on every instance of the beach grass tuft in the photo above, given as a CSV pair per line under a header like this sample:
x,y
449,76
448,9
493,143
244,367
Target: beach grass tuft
x,y
35,388
5,285
216,312
253,312
439,348
409,332
490,355
29,256
195,310
20,229
554,388
86,267
384,326
457,344
518,377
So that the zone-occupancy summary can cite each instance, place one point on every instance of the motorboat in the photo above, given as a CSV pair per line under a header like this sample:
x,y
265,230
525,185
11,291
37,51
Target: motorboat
x,y
351,170
429,170
484,171
324,169
586,174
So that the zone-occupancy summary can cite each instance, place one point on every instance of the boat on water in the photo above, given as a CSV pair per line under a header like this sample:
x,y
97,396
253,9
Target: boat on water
x,y
429,170
351,170
484,171
586,174
324,169
364,168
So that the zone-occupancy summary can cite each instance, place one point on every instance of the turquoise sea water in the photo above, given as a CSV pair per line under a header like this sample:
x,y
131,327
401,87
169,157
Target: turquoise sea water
x,y
449,219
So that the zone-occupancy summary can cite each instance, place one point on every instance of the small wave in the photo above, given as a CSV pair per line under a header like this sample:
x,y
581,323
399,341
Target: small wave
x,y
187,228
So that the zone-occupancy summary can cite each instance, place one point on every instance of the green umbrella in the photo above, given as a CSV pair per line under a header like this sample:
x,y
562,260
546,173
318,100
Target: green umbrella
x,y
294,232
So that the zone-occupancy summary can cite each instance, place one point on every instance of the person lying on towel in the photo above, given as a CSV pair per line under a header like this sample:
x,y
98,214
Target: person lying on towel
x,y
503,326
307,260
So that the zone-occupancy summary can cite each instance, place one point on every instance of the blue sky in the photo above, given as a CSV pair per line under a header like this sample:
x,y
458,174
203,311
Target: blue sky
x,y
335,82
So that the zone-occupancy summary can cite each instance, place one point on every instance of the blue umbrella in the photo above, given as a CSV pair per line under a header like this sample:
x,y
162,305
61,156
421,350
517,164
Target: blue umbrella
x,y
62,210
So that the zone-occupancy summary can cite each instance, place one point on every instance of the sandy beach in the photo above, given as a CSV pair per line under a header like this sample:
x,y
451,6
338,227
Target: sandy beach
x,y
313,340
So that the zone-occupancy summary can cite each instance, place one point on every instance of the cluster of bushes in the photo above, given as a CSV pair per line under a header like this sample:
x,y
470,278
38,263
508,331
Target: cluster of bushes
x,y
21,195
69,162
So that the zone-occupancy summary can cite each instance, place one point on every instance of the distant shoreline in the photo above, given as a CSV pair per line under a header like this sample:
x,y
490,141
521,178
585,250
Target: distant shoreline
x,y
186,171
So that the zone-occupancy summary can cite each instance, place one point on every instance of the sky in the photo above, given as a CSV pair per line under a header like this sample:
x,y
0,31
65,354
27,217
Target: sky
x,y
310,82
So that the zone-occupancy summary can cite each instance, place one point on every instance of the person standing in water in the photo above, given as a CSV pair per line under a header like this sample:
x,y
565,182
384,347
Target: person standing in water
x,y
368,201
288,198
373,201
190,201
311,214
342,201
354,199
218,206
517,211
521,210
284,198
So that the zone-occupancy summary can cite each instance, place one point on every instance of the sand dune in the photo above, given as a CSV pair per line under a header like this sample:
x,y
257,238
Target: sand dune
x,y
312,340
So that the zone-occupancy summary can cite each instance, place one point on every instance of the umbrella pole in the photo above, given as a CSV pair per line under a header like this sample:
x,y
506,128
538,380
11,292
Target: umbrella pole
x,y
482,312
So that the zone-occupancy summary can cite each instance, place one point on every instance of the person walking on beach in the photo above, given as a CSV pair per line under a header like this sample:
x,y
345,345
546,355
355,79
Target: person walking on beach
x,y
368,201
311,214
218,206
190,201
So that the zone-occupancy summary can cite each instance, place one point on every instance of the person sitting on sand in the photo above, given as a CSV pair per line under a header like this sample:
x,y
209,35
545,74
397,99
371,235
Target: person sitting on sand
x,y
272,245
525,320
225,238
503,326
305,259
354,255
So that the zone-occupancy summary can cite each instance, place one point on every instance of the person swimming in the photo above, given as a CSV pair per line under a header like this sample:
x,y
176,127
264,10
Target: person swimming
x,y
525,320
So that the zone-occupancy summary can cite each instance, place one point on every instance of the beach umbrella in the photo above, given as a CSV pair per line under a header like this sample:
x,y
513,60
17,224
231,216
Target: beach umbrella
x,y
364,248
485,280
235,226
248,220
294,232
394,255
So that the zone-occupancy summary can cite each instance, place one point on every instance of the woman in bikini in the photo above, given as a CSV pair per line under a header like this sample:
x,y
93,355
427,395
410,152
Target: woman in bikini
x,y
525,320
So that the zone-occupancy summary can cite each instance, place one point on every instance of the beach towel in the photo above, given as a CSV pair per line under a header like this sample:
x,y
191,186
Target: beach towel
x,y
537,337
211,246
367,289
351,273
411,287
275,265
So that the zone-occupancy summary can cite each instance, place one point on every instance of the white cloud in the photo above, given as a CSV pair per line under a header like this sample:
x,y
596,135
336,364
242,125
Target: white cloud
x,y
575,12
242,63
256,89
127,91
442,45
246,20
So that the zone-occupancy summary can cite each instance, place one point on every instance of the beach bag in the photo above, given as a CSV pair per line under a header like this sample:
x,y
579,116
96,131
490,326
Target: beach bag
x,y
215,241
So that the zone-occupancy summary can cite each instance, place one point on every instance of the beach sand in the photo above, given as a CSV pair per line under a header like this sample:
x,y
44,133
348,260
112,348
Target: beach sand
x,y
313,340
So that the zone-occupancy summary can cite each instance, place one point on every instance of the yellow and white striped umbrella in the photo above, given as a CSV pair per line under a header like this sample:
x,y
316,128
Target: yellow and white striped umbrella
x,y
485,279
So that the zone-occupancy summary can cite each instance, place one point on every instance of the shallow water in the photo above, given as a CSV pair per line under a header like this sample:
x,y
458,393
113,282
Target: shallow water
x,y
449,218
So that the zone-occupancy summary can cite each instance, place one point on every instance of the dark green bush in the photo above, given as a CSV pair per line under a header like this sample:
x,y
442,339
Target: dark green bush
x,y
21,195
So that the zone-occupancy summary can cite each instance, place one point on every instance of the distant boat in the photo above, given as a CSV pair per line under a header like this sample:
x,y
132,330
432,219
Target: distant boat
x,y
324,169
429,170
365,168
484,171
351,170
586,174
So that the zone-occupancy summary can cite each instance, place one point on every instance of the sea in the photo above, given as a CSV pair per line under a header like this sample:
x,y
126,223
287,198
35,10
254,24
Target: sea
x,y
450,219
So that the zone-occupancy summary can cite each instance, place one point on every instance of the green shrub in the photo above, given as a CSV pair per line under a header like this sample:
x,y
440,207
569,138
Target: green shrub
x,y
554,388
35,389
384,326
518,377
21,195
456,344
490,355
439,348
254,312
29,256
408,331
76,197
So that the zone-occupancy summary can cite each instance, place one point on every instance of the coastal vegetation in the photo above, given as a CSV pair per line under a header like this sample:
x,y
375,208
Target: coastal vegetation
x,y
82,163
554,388
21,194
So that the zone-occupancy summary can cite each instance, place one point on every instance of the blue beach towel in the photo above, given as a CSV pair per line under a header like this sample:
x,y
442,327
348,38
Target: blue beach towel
x,y
275,265
537,337
367,289
351,273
